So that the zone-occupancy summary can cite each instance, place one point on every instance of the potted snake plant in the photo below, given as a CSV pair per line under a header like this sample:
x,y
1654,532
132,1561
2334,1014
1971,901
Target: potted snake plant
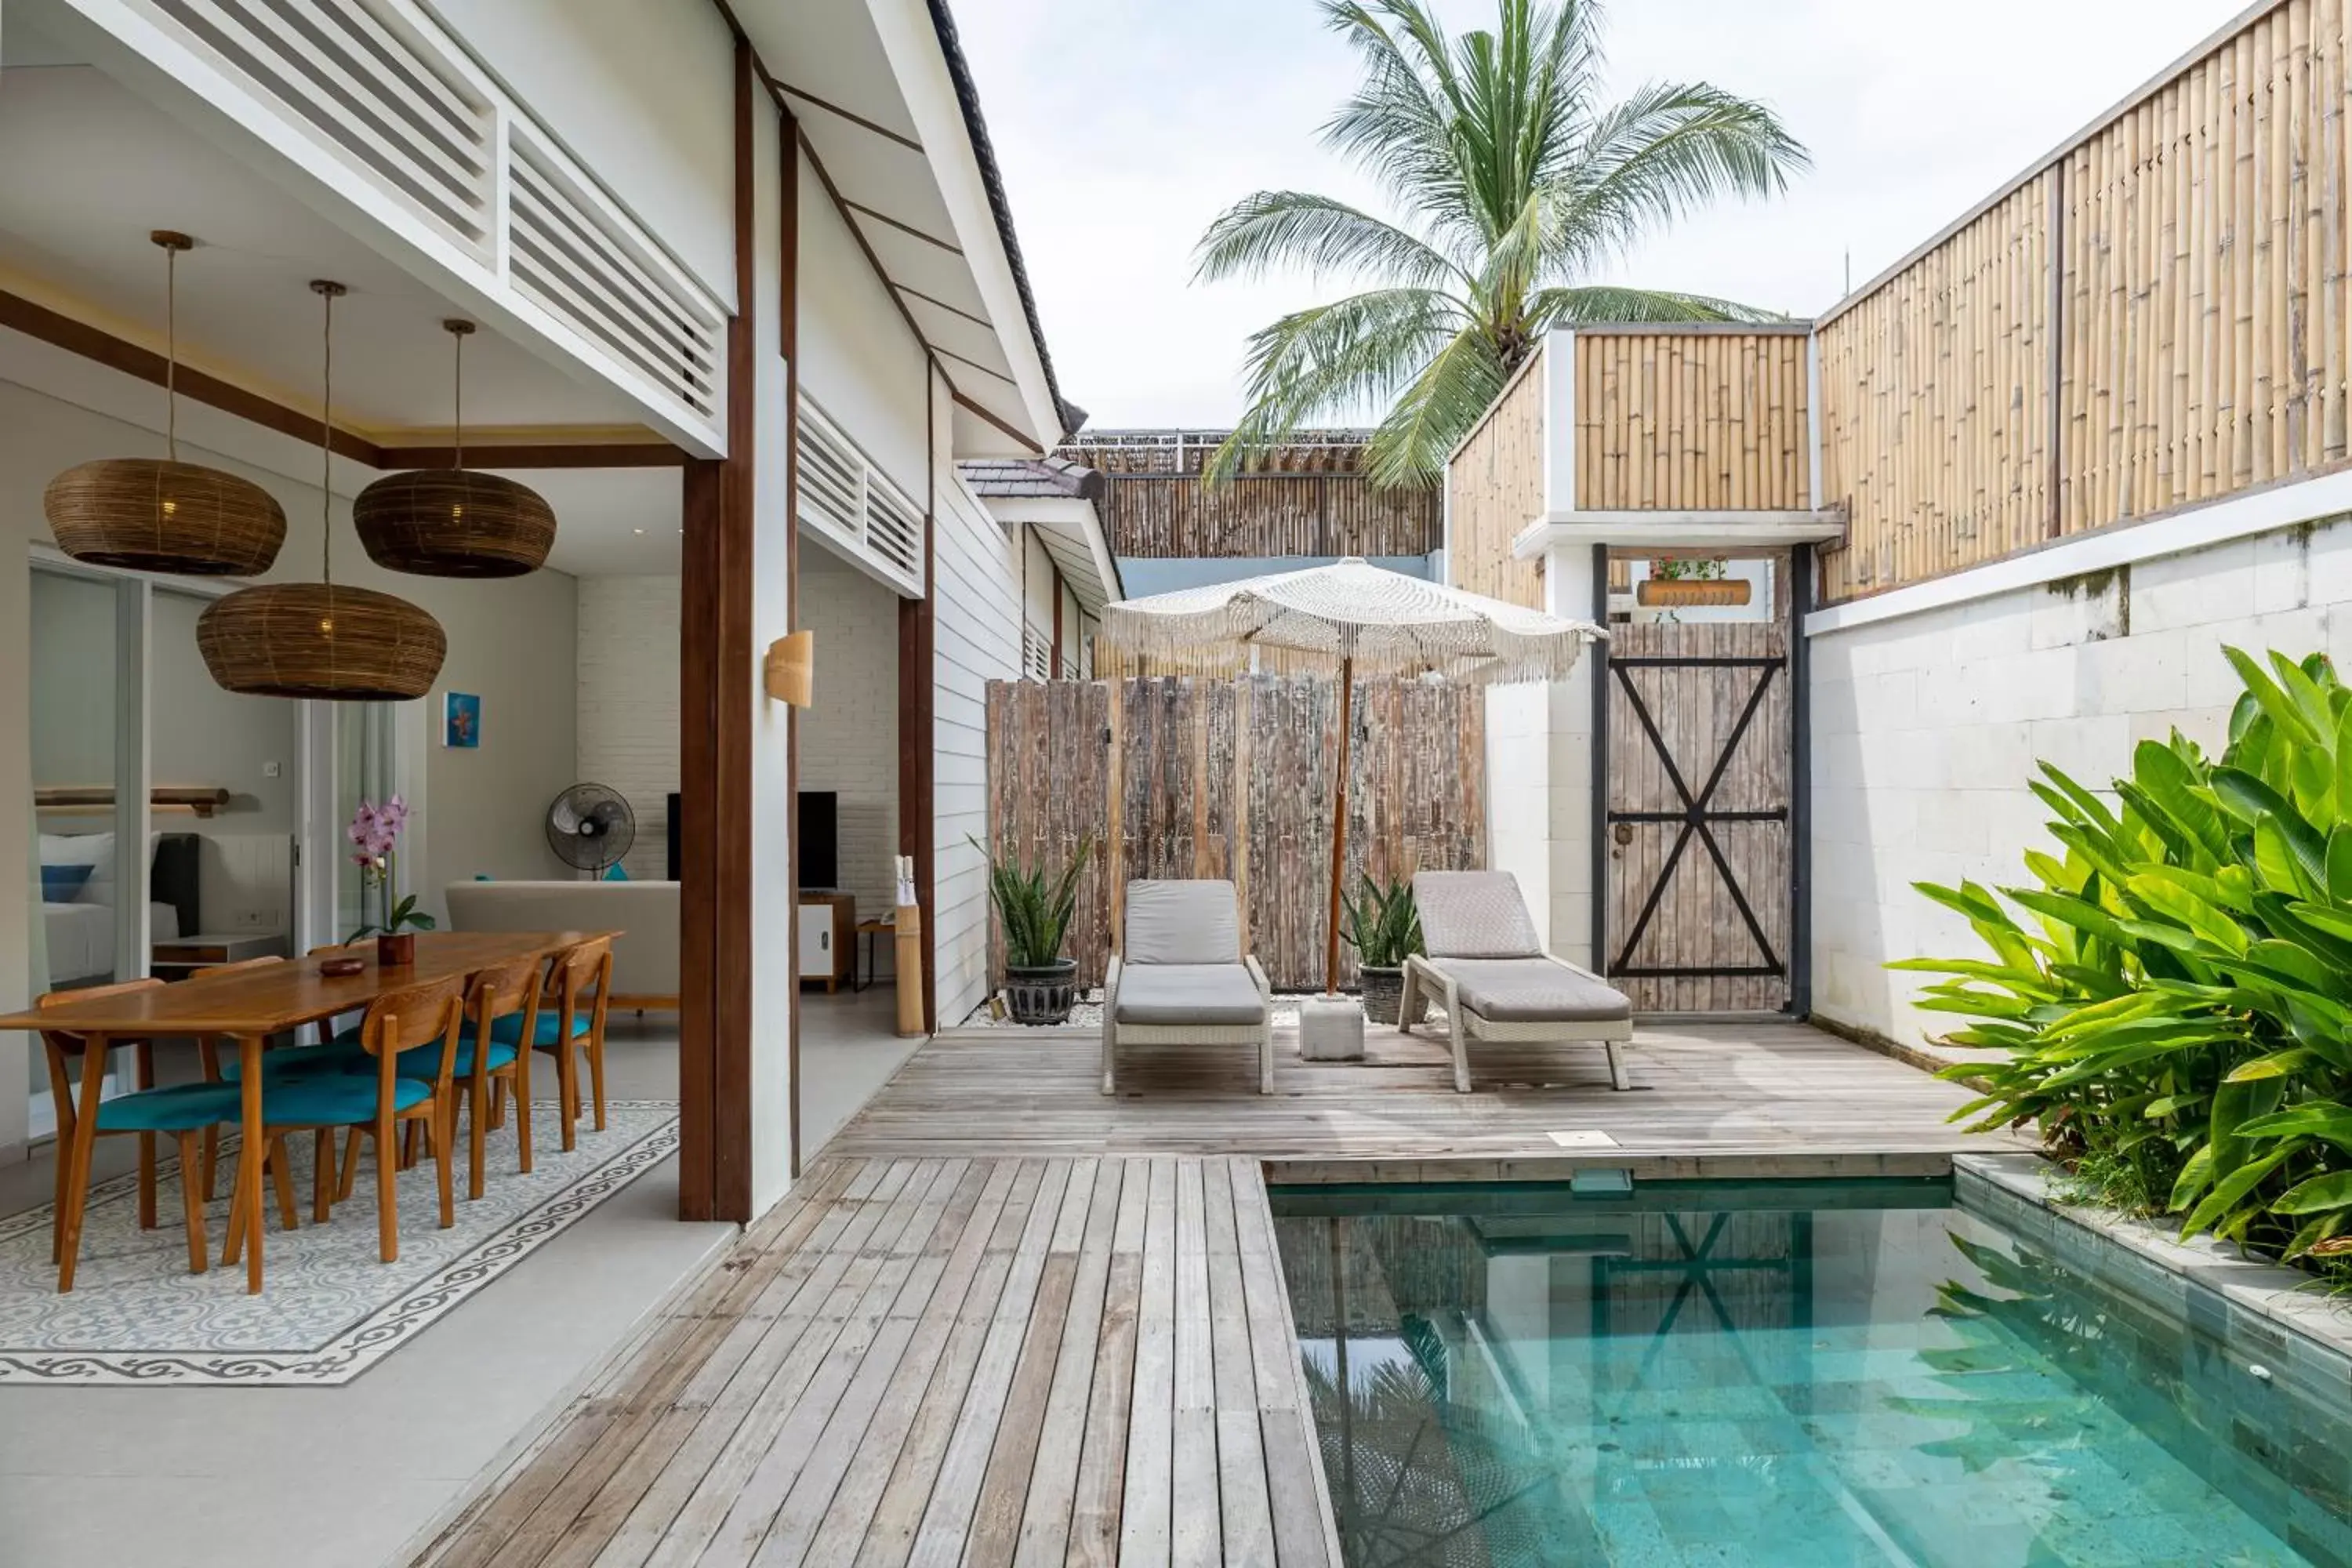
x,y
1382,924
1034,905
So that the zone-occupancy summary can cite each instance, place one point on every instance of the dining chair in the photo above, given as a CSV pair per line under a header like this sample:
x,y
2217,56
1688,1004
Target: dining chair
x,y
399,1033
570,1024
182,1110
495,997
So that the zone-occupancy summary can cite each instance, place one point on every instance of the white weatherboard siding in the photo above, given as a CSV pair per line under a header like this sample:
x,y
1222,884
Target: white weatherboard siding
x,y
1927,729
628,695
978,639
849,740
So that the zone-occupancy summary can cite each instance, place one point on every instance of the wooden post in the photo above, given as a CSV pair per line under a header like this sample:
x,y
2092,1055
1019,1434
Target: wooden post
x,y
1339,828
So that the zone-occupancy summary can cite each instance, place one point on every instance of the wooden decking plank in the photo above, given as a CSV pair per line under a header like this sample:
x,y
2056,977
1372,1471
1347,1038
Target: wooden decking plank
x,y
1101,1489
955,1496
1297,1492
1144,1513
890,1536
1061,1431
1196,1529
1005,1487
829,1503
762,1398
611,1443
1242,1496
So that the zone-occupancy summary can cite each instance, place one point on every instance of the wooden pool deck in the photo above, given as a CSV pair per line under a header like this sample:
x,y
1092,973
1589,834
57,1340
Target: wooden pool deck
x,y
1007,1321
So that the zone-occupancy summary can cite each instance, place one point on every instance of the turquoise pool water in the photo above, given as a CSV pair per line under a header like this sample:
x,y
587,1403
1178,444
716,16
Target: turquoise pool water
x,y
1790,1373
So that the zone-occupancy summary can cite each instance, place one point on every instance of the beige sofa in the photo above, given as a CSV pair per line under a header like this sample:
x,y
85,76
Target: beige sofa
x,y
645,960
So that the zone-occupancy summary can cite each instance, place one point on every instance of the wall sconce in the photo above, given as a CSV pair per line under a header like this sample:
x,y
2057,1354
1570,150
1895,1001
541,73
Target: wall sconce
x,y
788,672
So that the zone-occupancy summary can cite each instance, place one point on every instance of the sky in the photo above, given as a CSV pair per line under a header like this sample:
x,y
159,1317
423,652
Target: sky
x,y
1123,127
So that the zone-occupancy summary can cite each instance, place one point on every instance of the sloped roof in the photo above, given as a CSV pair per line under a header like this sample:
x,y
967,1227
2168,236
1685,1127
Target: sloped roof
x,y
1056,478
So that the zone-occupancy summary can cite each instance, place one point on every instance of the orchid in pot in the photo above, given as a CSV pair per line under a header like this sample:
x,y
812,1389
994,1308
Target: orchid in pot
x,y
375,834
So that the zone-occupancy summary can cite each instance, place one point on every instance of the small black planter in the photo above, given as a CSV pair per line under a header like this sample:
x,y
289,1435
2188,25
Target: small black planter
x,y
1041,995
1383,990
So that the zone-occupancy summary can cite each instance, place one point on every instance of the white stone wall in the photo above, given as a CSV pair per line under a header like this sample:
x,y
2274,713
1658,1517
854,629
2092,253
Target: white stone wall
x,y
1927,729
849,740
628,698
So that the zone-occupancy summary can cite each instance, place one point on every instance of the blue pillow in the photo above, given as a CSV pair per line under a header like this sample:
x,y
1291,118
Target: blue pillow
x,y
60,883
616,872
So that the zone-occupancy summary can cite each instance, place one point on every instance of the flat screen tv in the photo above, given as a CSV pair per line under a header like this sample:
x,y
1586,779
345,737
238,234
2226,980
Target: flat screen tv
x,y
816,860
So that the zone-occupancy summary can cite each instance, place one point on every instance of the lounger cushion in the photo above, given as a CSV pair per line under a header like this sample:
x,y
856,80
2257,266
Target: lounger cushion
x,y
1178,993
1533,990
1181,922
1474,915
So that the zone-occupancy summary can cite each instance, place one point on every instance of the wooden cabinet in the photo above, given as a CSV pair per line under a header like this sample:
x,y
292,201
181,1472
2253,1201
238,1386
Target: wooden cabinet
x,y
828,938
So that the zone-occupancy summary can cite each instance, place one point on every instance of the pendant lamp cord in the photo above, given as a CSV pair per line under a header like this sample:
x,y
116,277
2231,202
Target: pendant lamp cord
x,y
171,352
326,441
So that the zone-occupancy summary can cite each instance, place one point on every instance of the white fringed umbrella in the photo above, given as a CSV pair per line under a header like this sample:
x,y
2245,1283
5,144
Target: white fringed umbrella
x,y
1352,614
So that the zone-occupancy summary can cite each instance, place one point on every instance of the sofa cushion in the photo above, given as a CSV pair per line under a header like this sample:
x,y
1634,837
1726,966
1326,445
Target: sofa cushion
x,y
1533,990
646,913
1474,915
1179,994
1182,922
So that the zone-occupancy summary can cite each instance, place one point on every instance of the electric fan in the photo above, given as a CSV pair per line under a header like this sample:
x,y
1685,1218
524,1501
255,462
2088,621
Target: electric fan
x,y
590,827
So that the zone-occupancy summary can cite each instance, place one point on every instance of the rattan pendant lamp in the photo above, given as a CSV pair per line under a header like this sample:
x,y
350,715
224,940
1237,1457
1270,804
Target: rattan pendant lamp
x,y
322,639
454,522
159,514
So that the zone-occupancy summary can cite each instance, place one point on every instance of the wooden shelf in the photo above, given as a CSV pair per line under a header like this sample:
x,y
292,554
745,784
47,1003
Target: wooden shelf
x,y
202,800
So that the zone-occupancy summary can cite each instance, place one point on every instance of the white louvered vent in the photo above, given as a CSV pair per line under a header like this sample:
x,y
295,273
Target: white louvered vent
x,y
359,74
1036,653
848,501
584,267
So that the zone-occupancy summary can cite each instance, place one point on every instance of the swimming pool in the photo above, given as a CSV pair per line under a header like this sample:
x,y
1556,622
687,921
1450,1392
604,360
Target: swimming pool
x,y
1789,1373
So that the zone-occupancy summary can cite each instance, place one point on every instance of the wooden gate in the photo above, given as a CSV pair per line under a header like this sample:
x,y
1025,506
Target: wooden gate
x,y
1701,877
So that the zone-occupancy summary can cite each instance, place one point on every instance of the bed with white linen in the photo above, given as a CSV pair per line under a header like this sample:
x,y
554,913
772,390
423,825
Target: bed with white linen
x,y
79,930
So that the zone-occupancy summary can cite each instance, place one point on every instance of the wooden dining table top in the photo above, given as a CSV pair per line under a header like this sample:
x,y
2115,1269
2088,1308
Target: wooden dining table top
x,y
271,998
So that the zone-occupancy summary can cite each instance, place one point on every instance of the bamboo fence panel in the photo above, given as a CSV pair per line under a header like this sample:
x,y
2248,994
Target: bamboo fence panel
x,y
1232,779
1157,516
1495,487
1692,421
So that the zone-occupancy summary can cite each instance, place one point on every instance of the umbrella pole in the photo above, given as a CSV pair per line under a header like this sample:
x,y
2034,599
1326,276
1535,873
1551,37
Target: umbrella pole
x,y
1339,825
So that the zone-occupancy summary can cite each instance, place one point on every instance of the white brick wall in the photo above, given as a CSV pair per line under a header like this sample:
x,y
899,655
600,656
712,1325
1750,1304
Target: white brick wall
x,y
1926,731
849,740
628,696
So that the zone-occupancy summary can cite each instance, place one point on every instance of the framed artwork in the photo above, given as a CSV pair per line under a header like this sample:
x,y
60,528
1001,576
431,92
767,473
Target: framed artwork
x,y
461,720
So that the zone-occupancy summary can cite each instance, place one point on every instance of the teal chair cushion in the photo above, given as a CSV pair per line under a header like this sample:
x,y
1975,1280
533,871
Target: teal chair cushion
x,y
549,1032
182,1108
332,1099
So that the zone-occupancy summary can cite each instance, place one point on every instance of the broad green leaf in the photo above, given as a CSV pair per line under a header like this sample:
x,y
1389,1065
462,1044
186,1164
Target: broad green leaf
x,y
2309,701
2276,862
2276,704
2278,1064
2340,857
2163,891
2246,797
2092,809
2331,1191
2195,1177
2232,1188
2322,1118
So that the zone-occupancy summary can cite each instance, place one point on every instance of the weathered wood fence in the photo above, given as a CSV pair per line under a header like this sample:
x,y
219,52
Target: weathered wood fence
x,y
1174,777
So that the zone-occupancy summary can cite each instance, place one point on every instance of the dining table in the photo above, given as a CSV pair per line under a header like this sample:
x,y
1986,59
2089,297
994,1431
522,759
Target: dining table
x,y
249,1007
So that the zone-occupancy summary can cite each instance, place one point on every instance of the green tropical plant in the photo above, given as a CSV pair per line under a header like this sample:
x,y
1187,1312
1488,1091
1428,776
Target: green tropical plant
x,y
2175,1006
1034,905
1381,923
1515,182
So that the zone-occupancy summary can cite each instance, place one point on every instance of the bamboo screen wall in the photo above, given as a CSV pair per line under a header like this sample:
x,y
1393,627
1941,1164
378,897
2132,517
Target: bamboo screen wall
x,y
1233,779
1496,480
2200,243
1691,420
1310,498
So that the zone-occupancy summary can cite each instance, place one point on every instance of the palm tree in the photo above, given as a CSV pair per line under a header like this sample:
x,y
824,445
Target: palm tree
x,y
1514,180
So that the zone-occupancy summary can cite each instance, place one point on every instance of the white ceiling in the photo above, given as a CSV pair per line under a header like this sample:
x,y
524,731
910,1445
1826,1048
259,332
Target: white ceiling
x,y
90,168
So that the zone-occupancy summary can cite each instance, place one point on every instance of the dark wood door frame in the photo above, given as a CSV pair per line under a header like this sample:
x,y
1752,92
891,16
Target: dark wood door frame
x,y
918,674
715,714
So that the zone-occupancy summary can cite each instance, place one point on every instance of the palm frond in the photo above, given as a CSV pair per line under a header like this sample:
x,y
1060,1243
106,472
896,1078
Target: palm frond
x,y
1335,359
1319,234
1662,153
1608,302
1434,413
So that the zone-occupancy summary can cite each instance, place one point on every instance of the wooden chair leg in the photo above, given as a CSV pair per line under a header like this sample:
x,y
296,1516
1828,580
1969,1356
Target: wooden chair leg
x,y
233,1248
596,1074
477,1108
498,1102
567,1079
409,1135
77,1190
444,1140
212,1159
281,1174
387,1187
522,1106
192,1204
322,1174
143,1057
350,1178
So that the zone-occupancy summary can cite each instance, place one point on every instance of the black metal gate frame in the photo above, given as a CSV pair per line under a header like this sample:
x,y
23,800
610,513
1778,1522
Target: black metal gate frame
x,y
1696,817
